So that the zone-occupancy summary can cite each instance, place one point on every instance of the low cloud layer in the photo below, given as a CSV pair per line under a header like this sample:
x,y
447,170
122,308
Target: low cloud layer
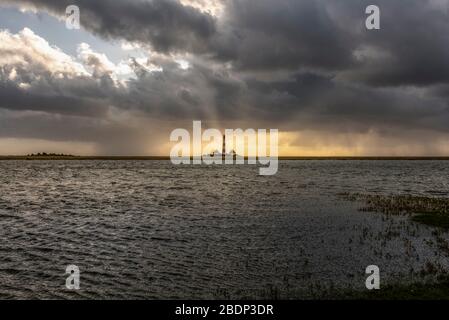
x,y
299,66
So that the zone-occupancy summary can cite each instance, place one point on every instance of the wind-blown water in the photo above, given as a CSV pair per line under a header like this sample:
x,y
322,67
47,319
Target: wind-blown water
x,y
148,229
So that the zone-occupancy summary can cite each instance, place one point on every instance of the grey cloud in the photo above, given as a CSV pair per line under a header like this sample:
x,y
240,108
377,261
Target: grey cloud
x,y
16,98
411,48
285,34
165,24
197,92
311,101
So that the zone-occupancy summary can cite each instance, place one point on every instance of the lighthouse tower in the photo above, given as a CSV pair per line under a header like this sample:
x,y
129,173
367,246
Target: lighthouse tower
x,y
223,152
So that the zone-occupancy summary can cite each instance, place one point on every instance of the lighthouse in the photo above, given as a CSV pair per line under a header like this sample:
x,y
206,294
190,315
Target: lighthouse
x,y
223,152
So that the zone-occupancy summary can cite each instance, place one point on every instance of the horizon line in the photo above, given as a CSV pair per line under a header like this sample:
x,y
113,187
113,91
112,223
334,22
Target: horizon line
x,y
134,157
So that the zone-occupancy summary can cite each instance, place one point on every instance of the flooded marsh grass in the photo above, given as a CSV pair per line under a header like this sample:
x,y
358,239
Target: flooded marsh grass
x,y
427,210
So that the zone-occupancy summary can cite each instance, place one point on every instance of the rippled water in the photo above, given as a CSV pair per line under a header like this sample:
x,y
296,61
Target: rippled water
x,y
148,229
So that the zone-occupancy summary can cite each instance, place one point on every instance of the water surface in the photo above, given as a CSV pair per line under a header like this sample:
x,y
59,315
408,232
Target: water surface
x,y
148,229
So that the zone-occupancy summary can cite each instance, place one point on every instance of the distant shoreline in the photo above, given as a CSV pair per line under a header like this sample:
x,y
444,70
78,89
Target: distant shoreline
x,y
160,158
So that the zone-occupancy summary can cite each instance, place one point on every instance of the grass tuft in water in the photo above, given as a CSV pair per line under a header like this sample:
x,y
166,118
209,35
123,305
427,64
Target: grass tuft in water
x,y
414,291
426,210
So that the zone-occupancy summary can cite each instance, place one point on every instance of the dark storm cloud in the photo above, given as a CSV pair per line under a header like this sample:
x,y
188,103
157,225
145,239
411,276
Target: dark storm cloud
x,y
308,101
411,48
15,98
174,93
285,34
165,24
42,90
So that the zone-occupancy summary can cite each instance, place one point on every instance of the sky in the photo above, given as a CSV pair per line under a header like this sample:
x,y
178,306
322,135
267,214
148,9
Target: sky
x,y
138,69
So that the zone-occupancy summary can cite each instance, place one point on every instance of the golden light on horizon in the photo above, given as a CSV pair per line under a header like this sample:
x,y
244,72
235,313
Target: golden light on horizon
x,y
291,144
